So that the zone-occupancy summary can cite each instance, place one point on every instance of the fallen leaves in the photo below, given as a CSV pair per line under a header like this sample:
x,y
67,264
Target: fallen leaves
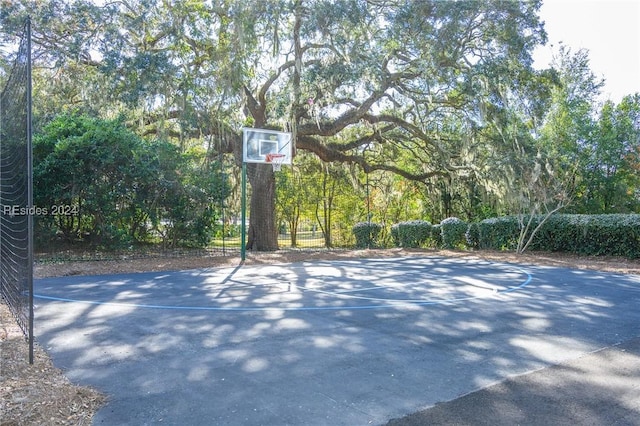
x,y
38,393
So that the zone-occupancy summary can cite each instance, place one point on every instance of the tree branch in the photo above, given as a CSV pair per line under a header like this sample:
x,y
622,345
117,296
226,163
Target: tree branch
x,y
326,154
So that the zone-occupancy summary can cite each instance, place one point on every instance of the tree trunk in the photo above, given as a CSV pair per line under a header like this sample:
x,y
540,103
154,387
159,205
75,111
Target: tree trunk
x,y
263,233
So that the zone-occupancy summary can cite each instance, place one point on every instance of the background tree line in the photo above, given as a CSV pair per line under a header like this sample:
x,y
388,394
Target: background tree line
x,y
399,111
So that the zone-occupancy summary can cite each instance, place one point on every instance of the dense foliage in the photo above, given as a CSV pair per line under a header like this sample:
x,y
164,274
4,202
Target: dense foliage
x,y
400,110
592,235
453,232
101,184
366,234
411,234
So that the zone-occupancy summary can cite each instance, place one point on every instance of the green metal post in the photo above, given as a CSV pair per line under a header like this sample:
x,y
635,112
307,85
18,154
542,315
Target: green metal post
x,y
243,226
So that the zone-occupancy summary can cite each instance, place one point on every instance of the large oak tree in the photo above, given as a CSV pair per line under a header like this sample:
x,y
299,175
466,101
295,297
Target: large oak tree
x,y
409,83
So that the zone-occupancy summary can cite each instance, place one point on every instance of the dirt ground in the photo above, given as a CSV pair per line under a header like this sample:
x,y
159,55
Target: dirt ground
x,y
40,394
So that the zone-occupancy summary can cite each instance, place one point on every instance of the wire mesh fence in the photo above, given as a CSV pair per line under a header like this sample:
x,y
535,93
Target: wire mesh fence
x,y
16,198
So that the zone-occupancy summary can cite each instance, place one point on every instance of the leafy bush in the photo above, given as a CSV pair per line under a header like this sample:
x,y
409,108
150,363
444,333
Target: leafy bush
x,y
453,232
413,233
499,233
550,235
607,234
366,234
124,189
395,234
593,235
436,235
472,236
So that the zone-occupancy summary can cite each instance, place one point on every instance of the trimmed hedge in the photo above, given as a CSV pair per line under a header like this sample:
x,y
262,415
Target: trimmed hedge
x,y
453,233
593,235
411,234
436,235
499,233
366,234
472,236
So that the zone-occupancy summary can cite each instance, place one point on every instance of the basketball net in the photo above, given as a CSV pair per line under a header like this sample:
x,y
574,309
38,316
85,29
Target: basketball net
x,y
276,161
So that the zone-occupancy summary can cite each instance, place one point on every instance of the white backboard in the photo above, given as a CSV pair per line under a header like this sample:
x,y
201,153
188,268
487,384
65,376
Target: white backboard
x,y
257,143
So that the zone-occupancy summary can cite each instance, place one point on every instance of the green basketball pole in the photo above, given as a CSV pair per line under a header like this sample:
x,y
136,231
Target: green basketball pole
x,y
243,216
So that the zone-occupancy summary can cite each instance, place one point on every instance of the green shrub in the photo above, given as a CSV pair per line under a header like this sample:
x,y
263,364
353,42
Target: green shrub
x,y
553,235
436,235
453,232
593,235
366,234
395,235
472,236
499,233
411,234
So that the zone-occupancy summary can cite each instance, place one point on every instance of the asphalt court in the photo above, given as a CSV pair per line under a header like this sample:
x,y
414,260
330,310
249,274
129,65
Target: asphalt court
x,y
349,342
374,284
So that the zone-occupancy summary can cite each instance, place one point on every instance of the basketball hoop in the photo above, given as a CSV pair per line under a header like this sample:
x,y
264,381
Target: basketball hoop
x,y
276,161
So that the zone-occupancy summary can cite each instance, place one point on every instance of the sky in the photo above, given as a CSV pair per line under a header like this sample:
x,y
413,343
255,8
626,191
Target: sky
x,y
608,29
